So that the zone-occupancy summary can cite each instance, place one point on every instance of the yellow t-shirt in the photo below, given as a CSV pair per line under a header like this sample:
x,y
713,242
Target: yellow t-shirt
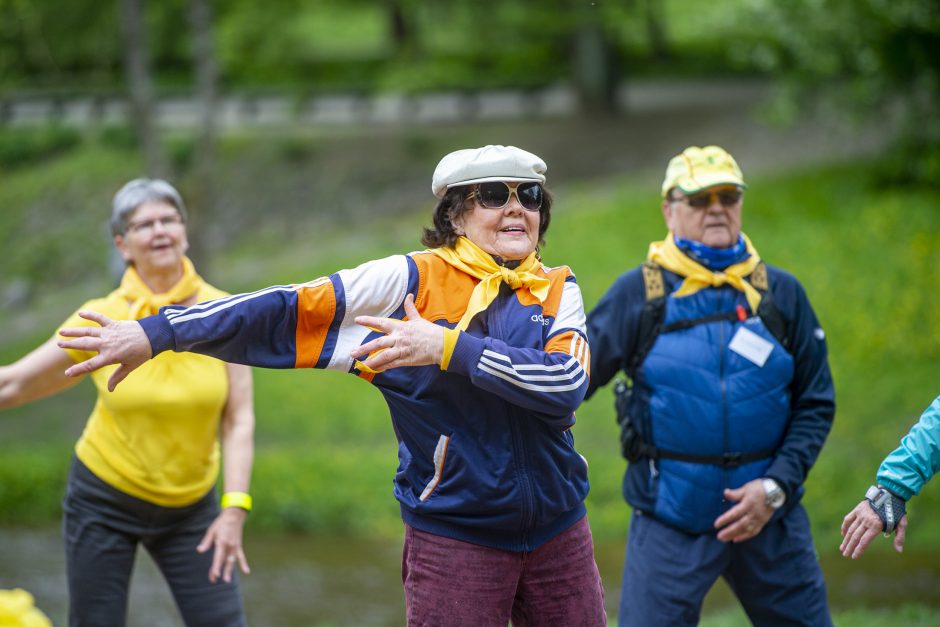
x,y
156,437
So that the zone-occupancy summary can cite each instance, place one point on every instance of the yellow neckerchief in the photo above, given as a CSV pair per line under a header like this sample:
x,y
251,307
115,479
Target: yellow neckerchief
x,y
470,258
144,302
669,256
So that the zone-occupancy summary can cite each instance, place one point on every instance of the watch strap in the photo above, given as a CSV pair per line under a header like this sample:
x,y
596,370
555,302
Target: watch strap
x,y
889,506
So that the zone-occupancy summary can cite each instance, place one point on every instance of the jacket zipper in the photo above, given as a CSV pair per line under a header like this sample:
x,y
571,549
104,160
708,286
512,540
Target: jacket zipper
x,y
520,455
724,391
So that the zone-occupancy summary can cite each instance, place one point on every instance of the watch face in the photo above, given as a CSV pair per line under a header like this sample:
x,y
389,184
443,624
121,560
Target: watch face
x,y
775,495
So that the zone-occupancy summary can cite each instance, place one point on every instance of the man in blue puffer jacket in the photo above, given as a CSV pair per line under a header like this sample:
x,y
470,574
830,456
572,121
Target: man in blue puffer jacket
x,y
731,400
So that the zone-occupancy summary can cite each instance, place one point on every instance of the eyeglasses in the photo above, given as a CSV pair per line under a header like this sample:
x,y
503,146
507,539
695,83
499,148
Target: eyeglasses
x,y
496,195
703,200
146,226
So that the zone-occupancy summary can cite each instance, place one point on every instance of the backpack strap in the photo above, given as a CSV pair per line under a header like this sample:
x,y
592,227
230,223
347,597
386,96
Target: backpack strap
x,y
727,460
651,318
653,280
758,278
767,311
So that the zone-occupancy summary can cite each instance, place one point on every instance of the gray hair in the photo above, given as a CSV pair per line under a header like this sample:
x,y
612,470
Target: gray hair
x,y
137,192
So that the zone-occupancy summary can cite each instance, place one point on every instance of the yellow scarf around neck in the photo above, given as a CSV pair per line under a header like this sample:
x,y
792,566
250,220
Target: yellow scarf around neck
x,y
669,256
145,302
470,258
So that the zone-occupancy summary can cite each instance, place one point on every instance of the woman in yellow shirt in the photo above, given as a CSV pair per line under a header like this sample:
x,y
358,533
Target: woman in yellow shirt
x,y
146,464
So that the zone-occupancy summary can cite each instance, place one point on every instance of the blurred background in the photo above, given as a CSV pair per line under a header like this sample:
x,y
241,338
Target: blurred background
x,y
303,136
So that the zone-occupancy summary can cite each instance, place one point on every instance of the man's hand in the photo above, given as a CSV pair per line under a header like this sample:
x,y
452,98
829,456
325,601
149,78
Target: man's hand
x,y
861,526
746,519
411,342
116,342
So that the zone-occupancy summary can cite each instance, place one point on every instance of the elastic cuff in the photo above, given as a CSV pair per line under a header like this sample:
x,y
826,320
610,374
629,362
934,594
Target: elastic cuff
x,y
237,499
466,353
450,342
159,332
897,489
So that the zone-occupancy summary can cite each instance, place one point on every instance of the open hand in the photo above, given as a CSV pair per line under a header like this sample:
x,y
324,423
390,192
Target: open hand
x,y
411,342
225,535
116,342
861,526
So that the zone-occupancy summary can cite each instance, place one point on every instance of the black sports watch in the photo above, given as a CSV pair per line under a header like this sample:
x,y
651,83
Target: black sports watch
x,y
776,497
889,506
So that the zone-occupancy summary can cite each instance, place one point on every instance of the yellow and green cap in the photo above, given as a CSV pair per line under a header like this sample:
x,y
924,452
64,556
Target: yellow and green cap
x,y
696,168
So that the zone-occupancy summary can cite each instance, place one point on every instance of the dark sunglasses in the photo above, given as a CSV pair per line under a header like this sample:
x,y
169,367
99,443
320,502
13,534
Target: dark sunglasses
x,y
496,195
703,200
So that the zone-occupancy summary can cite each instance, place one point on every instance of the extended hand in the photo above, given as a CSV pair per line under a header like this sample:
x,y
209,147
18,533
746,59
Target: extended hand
x,y
861,526
116,342
746,519
411,342
225,534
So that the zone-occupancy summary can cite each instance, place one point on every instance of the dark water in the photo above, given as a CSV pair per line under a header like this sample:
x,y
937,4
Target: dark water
x,y
310,581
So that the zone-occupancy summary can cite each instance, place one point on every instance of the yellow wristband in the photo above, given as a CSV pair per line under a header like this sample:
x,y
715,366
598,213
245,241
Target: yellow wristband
x,y
450,342
237,499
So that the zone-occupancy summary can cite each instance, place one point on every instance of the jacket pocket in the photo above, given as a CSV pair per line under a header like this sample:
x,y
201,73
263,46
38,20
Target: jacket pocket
x,y
440,455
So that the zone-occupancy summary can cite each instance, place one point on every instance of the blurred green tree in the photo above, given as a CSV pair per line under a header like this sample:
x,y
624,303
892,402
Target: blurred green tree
x,y
869,60
138,77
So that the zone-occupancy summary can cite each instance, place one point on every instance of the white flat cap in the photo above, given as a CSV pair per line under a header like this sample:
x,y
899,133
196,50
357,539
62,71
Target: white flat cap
x,y
489,163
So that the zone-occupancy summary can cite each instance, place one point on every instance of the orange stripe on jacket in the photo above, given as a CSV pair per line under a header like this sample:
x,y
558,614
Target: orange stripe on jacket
x,y
557,278
443,290
316,307
574,344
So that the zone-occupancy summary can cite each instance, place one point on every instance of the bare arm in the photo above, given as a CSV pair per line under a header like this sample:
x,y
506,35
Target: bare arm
x,y
37,375
238,427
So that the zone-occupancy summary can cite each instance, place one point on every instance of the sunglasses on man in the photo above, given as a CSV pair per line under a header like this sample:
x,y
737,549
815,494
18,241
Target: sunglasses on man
x,y
703,200
496,194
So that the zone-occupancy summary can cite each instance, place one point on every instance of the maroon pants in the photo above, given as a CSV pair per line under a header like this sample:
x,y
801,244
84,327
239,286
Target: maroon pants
x,y
452,583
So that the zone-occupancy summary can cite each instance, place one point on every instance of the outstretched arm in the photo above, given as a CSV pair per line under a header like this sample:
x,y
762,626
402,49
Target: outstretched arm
x,y
116,342
37,375
225,534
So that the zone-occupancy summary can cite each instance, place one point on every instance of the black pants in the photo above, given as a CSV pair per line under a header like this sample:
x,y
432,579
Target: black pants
x,y
102,528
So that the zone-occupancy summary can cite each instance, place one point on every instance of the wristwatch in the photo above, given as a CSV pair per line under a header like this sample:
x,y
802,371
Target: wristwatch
x,y
776,497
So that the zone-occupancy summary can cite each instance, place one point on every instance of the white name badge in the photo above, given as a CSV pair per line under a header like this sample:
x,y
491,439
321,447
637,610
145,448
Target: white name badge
x,y
751,346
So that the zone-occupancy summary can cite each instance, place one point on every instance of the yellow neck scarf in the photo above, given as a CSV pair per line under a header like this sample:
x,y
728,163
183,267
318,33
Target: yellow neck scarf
x,y
667,255
144,302
470,258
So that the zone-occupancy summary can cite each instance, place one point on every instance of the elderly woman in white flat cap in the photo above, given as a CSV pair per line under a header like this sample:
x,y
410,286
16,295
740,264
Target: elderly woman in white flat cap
x,y
480,352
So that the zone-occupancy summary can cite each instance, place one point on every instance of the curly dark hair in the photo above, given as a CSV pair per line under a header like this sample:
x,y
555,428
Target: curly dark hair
x,y
456,202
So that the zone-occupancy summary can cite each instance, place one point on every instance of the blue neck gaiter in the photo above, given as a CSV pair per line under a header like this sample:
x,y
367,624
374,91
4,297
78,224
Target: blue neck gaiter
x,y
713,258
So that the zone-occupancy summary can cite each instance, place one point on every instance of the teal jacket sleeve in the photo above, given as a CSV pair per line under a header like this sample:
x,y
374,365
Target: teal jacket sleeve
x,y
911,465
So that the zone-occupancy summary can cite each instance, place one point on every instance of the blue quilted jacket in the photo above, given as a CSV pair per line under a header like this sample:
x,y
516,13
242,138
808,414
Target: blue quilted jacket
x,y
693,394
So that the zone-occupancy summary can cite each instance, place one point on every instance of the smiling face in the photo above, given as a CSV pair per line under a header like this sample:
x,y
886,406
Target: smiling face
x,y
155,240
510,232
717,225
